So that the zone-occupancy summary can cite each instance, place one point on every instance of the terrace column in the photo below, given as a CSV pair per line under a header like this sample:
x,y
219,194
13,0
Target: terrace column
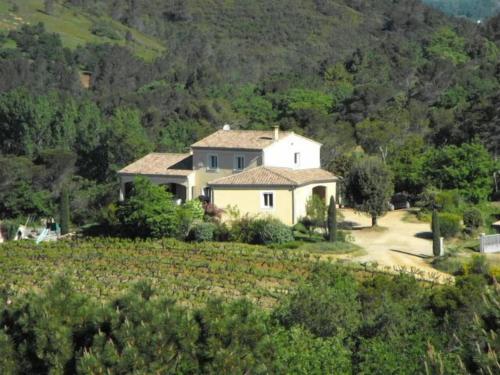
x,y
121,197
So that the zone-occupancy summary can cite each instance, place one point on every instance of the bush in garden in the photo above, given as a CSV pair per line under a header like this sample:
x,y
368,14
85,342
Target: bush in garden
x,y
449,225
189,213
316,210
221,232
300,227
203,231
241,229
270,231
149,211
212,211
473,218
9,228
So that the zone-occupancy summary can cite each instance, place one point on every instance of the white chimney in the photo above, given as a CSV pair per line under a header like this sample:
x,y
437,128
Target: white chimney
x,y
276,133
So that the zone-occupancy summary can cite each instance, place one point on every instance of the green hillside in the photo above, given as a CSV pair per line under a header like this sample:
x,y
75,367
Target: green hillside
x,y
395,80
77,27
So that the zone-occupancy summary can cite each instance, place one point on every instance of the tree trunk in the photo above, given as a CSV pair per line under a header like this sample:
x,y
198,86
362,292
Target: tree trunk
x,y
374,221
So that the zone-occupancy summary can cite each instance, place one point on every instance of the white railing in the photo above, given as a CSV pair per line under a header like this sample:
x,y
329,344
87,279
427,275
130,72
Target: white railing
x,y
490,244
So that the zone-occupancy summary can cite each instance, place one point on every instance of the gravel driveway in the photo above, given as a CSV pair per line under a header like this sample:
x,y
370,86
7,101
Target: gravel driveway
x,y
395,244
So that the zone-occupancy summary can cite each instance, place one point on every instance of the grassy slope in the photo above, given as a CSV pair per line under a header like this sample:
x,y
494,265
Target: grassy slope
x,y
74,26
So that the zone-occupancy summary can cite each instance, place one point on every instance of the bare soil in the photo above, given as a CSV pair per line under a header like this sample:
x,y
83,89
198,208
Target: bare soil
x,y
396,244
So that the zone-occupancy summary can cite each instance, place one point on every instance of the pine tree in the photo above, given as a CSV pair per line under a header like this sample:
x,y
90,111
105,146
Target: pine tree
x,y
332,220
436,234
64,211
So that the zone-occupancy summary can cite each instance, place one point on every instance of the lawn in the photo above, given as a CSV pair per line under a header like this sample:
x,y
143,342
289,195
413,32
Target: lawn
x,y
190,272
75,26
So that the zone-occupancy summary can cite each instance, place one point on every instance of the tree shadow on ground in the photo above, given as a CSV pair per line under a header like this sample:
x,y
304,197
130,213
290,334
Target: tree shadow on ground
x,y
424,235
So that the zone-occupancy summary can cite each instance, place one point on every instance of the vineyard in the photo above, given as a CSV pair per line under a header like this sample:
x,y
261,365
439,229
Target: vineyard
x,y
190,273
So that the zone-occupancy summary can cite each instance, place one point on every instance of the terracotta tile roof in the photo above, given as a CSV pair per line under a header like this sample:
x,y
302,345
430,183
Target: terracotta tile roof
x,y
240,139
273,176
161,164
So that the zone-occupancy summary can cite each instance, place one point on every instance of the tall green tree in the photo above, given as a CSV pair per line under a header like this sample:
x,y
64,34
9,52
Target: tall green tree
x,y
468,168
369,187
64,211
332,220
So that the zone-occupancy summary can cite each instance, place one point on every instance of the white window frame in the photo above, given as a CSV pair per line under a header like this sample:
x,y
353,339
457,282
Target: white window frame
x,y
263,200
296,159
209,162
235,166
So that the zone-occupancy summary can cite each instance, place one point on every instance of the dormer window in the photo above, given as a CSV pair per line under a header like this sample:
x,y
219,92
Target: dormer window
x,y
239,163
296,158
213,162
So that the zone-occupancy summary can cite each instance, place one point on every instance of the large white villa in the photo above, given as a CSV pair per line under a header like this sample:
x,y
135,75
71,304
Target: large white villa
x,y
259,172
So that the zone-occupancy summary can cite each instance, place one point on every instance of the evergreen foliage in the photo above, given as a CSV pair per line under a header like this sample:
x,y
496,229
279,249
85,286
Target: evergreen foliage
x,y
332,322
436,234
331,318
332,220
149,211
473,218
406,83
369,187
449,224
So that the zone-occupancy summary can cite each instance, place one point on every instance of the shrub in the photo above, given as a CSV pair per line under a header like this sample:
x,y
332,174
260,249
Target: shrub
x,y
187,214
260,231
301,228
221,232
241,229
149,211
449,224
203,231
212,211
473,218
270,231
9,228
443,200
316,211
105,29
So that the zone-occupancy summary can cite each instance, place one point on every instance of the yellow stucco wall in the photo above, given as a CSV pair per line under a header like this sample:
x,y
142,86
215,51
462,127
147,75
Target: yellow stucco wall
x,y
302,194
226,165
249,201
290,204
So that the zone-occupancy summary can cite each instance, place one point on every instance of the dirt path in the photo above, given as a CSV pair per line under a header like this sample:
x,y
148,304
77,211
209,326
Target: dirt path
x,y
396,244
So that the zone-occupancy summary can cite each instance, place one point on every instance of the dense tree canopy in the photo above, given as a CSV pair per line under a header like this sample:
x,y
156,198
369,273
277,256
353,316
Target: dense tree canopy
x,y
387,76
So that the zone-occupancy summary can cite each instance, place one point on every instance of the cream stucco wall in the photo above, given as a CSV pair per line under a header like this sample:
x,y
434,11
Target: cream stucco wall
x,y
248,200
226,160
281,154
302,194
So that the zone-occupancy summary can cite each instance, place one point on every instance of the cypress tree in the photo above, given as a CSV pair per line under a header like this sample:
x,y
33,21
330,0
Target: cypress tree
x,y
64,211
332,220
436,234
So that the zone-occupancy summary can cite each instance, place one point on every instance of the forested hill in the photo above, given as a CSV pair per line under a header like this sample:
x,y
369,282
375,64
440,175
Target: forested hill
x,y
474,9
385,75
